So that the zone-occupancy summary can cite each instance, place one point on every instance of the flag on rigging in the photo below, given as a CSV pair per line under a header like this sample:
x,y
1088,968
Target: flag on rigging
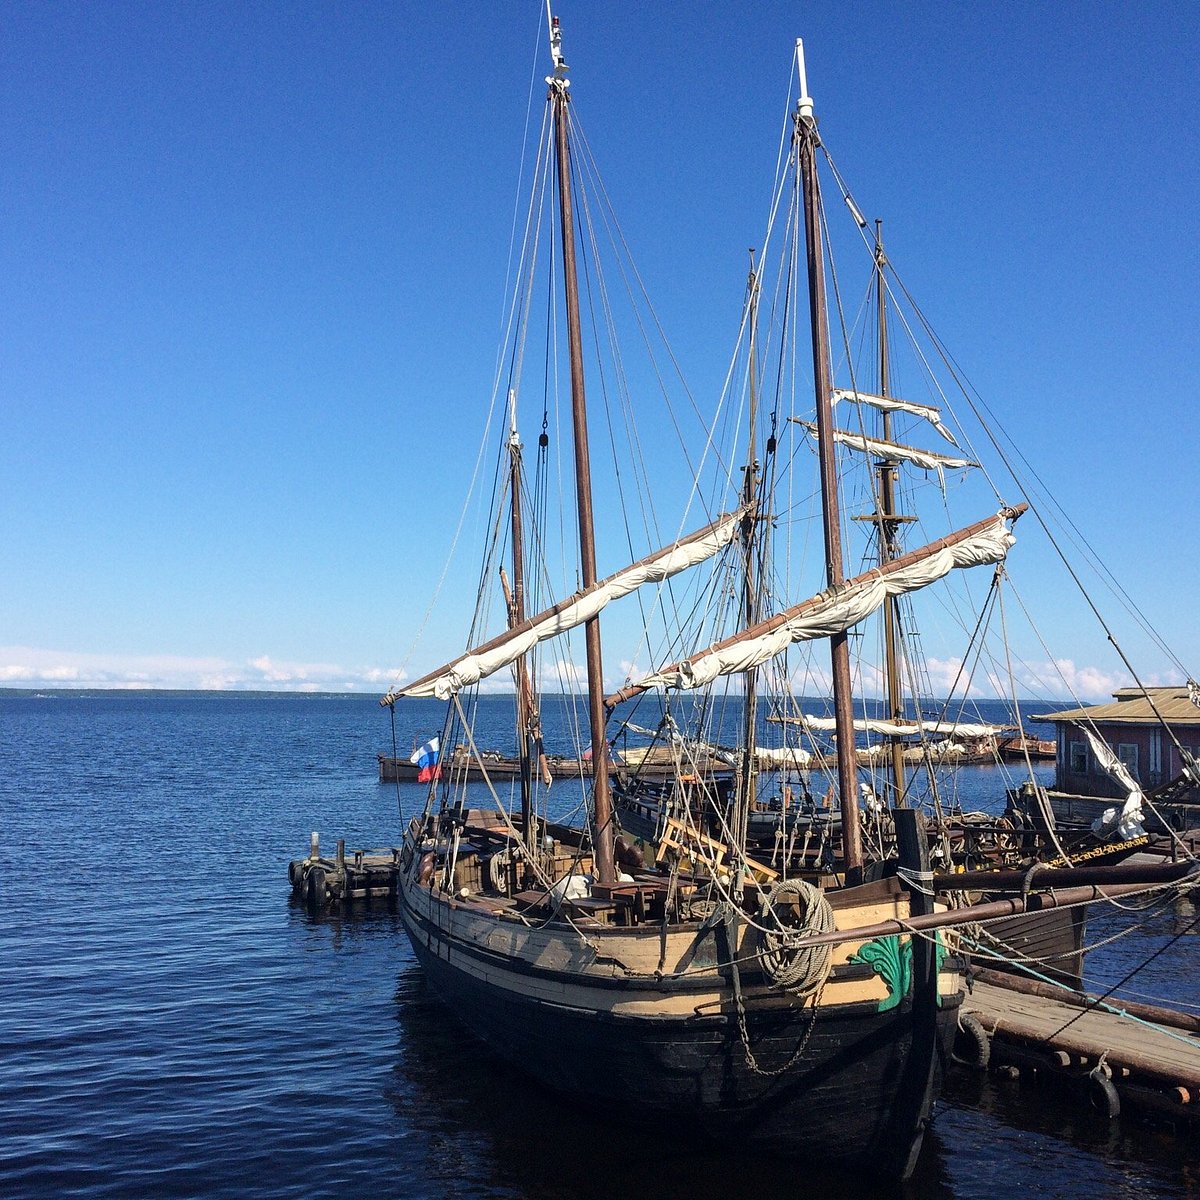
x,y
426,759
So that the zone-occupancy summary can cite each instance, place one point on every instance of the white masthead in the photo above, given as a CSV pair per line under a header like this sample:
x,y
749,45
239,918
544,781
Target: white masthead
x,y
804,106
560,63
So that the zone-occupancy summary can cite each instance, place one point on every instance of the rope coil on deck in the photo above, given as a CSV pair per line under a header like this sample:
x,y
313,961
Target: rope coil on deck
x,y
802,970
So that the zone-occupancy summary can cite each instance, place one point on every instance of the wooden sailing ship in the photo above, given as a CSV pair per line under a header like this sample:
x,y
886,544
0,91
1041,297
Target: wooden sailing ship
x,y
670,996
643,762
705,991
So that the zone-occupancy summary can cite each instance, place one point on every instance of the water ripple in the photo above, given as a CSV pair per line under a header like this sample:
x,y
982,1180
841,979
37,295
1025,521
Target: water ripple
x,y
172,1026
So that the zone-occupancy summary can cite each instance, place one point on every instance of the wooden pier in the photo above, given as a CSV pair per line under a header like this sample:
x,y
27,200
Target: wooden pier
x,y
1116,1055
361,875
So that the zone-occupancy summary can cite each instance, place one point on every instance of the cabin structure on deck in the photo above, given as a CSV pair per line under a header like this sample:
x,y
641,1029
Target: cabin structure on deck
x,y
1133,728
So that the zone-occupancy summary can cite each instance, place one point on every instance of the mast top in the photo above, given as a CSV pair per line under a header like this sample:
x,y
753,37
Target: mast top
x,y
560,63
514,438
804,106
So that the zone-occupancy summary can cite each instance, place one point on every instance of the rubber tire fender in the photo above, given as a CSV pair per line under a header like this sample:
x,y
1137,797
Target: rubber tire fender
x,y
1103,1095
316,889
972,1047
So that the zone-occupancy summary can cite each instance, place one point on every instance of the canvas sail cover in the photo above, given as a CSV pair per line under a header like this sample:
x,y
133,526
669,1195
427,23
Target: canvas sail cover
x,y
838,609
892,404
501,651
1129,820
777,757
795,757
902,729
925,459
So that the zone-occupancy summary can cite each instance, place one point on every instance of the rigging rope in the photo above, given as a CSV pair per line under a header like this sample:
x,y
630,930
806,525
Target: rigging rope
x,y
802,970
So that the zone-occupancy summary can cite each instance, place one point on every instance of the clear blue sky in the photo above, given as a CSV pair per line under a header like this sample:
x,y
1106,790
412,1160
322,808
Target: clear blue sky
x,y
252,261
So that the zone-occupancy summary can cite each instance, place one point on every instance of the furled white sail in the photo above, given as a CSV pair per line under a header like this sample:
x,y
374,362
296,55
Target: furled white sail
x,y
767,756
838,609
491,657
892,404
1128,821
901,729
925,459
795,757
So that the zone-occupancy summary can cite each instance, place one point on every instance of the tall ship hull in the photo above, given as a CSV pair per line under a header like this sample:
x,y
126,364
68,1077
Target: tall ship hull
x,y
654,1023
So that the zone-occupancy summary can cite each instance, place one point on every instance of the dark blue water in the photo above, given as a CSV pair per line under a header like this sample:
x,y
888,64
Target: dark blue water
x,y
170,1025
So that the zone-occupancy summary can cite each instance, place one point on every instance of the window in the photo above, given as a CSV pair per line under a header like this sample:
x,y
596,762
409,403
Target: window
x,y
1128,754
1154,762
1079,758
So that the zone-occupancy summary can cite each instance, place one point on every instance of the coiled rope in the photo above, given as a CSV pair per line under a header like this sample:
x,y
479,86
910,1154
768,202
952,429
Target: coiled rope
x,y
793,910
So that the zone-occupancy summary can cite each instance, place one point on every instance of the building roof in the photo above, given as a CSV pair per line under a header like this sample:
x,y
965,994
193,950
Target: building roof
x,y
1131,707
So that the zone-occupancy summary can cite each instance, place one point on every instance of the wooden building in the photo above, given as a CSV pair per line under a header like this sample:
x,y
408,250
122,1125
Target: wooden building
x,y
1131,726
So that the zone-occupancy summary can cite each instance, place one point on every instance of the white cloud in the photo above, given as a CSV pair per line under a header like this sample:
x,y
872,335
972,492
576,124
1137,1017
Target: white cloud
x,y
1062,679
562,677
26,666
1059,680
387,676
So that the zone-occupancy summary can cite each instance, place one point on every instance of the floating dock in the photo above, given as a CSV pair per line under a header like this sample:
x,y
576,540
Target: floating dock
x,y
1117,1055
360,875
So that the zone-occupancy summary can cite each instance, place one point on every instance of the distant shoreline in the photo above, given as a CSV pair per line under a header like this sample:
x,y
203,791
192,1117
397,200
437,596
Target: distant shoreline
x,y
247,693
109,693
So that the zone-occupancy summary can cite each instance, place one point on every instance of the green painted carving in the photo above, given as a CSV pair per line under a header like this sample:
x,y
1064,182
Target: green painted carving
x,y
891,960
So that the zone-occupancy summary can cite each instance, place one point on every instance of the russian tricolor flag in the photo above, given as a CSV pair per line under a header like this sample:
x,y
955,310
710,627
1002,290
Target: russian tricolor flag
x,y
426,759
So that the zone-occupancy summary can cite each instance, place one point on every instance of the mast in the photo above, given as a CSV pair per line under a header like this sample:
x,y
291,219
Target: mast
x,y
516,615
843,703
602,836
888,523
750,583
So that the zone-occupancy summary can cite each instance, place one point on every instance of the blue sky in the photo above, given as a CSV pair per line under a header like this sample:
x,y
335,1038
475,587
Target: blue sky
x,y
252,264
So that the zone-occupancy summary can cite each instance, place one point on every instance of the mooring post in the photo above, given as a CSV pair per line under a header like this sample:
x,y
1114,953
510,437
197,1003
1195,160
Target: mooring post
x,y
341,853
314,846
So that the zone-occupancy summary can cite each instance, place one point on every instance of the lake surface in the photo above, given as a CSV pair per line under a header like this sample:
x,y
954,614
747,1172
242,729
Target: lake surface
x,y
171,1025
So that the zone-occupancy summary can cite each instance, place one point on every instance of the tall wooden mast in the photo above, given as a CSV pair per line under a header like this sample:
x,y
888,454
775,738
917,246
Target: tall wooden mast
x,y
602,801
888,524
516,615
750,602
843,703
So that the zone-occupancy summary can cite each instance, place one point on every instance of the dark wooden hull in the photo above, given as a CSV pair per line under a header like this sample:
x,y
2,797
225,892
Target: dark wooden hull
x,y
1075,812
1038,749
504,767
1053,939
854,1090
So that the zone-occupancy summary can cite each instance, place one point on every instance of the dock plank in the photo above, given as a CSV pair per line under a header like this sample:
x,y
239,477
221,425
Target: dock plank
x,y
1137,1046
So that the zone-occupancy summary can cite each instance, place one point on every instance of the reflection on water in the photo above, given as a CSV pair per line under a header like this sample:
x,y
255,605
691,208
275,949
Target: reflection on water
x,y
1057,1143
492,1132
483,1131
